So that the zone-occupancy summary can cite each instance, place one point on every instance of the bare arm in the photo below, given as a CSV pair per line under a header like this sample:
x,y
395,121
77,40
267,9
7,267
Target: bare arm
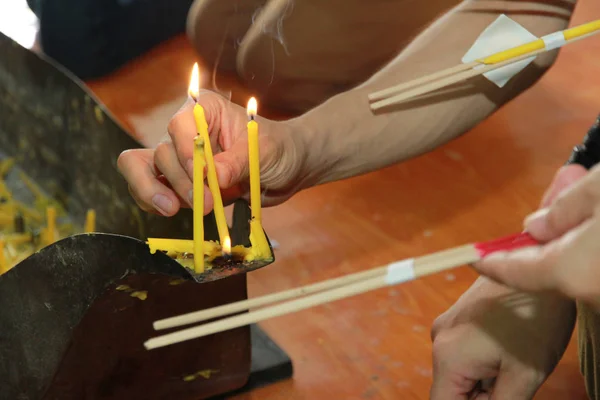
x,y
342,137
347,139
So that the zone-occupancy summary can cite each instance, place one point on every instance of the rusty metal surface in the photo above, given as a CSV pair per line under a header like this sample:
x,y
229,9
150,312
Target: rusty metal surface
x,y
69,144
75,316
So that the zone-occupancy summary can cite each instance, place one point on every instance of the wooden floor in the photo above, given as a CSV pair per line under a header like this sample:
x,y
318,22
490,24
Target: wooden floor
x,y
377,346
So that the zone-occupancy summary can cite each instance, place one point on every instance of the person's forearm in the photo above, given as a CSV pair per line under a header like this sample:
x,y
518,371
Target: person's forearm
x,y
345,138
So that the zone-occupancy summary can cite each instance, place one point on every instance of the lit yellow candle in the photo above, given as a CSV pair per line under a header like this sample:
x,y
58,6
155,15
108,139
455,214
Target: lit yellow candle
x,y
226,248
3,266
90,221
213,183
260,246
51,224
198,199
253,154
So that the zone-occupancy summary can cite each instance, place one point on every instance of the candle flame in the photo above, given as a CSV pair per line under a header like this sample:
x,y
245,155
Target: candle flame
x,y
194,89
252,107
227,245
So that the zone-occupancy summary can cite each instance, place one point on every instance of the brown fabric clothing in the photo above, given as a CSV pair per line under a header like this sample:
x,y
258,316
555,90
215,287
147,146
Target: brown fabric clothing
x,y
295,54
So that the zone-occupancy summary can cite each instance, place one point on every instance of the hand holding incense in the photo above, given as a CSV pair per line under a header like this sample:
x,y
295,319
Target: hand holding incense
x,y
389,275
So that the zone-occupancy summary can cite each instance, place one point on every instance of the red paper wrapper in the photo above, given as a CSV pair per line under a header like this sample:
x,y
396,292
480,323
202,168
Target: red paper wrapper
x,y
508,243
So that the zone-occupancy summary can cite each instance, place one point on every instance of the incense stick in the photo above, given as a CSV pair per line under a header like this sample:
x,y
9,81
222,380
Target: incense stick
x,y
392,274
380,95
227,309
428,83
448,81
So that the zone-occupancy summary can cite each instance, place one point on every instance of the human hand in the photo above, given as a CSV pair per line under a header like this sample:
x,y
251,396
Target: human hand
x,y
474,338
160,179
497,343
564,178
567,262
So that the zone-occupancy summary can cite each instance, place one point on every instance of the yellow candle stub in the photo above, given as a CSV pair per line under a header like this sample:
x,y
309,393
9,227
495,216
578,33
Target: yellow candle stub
x,y
260,245
90,221
51,224
3,266
198,199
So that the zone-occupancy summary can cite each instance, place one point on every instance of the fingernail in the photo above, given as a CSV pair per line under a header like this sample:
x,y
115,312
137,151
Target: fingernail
x,y
190,168
162,203
191,197
537,224
536,216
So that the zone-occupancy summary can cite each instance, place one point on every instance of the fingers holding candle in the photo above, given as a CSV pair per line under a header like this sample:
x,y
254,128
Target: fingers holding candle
x,y
282,154
167,162
182,131
232,165
228,163
150,193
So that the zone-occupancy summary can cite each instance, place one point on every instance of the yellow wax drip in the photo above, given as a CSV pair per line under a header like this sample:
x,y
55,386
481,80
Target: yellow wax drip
x,y
90,221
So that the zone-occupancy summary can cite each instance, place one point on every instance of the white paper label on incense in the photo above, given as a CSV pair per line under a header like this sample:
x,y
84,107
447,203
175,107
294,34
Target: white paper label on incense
x,y
502,34
400,271
554,40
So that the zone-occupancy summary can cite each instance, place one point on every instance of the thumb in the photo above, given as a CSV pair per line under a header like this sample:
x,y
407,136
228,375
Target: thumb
x,y
563,179
527,269
232,165
515,384
572,206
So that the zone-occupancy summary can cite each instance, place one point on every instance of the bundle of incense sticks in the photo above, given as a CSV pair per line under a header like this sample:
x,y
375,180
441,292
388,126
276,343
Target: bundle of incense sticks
x,y
331,290
523,53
